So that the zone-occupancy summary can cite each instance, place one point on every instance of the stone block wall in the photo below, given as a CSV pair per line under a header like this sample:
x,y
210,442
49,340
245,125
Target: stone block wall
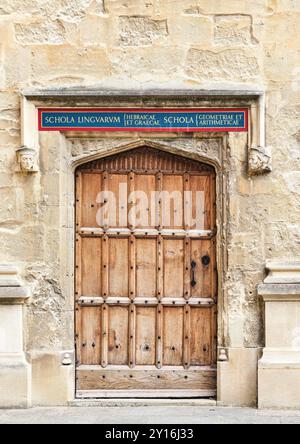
x,y
136,44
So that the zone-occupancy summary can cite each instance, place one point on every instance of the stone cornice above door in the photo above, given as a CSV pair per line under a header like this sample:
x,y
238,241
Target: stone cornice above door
x,y
259,155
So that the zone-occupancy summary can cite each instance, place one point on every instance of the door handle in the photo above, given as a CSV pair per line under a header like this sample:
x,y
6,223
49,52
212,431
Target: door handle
x,y
194,266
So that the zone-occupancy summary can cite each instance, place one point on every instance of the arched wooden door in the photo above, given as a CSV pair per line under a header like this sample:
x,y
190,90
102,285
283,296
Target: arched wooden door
x,y
146,276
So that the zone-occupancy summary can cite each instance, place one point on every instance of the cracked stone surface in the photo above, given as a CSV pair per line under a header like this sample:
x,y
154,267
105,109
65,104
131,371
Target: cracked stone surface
x,y
141,31
234,30
68,10
40,33
221,65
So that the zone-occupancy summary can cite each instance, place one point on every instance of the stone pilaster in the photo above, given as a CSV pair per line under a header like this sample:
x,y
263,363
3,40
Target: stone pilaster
x,y
279,368
15,372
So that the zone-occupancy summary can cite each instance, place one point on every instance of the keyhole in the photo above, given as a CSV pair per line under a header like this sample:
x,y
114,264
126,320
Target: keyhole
x,y
206,260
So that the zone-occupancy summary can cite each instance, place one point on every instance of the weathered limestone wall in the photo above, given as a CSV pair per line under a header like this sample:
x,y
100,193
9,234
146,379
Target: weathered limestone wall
x,y
142,44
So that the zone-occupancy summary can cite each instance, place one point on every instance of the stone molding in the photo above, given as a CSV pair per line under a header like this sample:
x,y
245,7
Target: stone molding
x,y
259,156
283,272
13,295
278,358
279,292
11,290
15,371
279,367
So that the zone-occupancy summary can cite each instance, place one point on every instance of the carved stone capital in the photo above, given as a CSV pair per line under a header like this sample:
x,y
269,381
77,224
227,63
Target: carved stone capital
x,y
260,161
27,160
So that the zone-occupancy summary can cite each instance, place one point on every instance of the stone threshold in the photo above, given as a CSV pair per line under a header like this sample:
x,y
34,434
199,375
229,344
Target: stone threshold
x,y
143,403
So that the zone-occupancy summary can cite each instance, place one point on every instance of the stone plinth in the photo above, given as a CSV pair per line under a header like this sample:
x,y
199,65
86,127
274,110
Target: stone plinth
x,y
15,372
279,368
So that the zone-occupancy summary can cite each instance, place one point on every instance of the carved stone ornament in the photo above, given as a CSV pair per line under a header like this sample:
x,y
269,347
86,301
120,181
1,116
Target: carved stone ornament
x,y
223,357
260,161
27,160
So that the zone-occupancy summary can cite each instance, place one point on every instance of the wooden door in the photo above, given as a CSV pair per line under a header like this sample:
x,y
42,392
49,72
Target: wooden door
x,y
146,277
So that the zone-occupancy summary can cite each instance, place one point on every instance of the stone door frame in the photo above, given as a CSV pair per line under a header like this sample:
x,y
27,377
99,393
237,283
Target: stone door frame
x,y
76,150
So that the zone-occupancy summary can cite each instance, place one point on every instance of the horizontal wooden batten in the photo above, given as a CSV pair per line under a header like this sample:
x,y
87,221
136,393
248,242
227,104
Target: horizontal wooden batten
x,y
146,378
167,302
151,233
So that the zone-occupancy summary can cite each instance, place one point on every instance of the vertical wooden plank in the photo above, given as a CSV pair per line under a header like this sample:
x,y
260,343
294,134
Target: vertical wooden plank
x,y
145,335
201,345
118,267
201,214
105,267
173,268
173,336
132,336
172,205
215,273
213,201
159,335
187,337
187,268
159,274
91,187
91,335
146,268
214,333
131,210
104,189
214,283
214,270
104,336
208,204
204,273
91,266
116,183
132,268
78,265
160,268
158,201
118,347
187,201
144,185
132,296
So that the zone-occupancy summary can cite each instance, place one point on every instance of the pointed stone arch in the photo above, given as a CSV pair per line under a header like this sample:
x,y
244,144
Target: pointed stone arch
x,y
146,144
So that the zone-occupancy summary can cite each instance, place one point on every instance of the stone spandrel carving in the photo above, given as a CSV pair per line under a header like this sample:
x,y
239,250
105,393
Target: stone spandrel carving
x,y
260,161
27,160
